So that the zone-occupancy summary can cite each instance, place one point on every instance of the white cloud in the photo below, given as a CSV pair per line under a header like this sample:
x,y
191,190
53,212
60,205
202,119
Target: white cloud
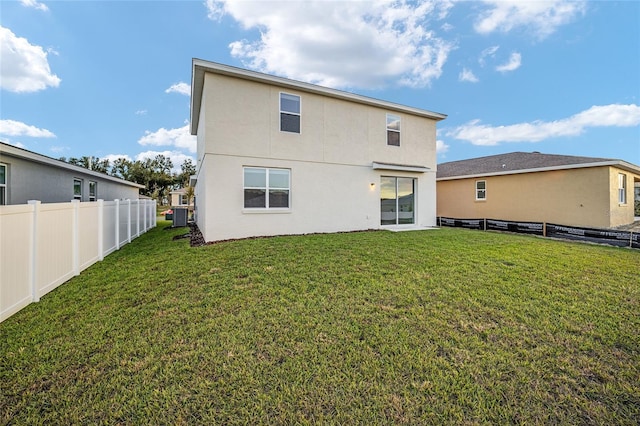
x,y
614,115
441,147
181,88
141,112
488,52
34,4
24,67
467,75
17,128
542,18
515,60
342,44
176,157
179,138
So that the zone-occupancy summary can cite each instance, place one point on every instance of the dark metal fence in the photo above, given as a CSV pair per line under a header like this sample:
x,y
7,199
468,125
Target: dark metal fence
x,y
602,236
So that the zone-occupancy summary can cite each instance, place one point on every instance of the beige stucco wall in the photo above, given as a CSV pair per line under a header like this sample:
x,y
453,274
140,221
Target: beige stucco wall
x,y
330,160
580,197
621,214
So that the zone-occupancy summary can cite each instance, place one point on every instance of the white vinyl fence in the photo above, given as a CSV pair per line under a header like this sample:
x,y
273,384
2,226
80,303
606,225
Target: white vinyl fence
x,y
44,245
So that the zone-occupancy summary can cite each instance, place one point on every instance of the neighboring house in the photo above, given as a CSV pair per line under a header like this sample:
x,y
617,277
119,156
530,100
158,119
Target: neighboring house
x,y
179,198
277,156
530,186
25,175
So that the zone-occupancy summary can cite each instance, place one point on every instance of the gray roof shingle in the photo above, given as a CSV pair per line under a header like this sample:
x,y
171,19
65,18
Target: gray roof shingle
x,y
512,162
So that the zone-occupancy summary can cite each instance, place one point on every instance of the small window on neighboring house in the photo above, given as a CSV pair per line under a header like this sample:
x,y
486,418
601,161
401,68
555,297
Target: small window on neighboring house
x,y
93,191
3,184
77,189
393,130
183,200
622,188
481,190
289,113
266,188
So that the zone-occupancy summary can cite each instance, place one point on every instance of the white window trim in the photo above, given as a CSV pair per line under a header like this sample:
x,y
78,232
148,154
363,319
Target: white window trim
x,y
622,189
77,197
93,197
299,114
481,190
393,130
4,185
266,209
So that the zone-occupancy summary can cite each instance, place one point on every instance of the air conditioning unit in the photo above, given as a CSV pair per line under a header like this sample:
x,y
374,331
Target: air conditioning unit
x,y
180,216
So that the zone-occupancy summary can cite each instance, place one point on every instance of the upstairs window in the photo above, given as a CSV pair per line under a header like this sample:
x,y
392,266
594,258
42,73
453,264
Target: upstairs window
x,y
289,113
3,184
183,200
93,191
266,188
622,188
393,130
77,189
481,190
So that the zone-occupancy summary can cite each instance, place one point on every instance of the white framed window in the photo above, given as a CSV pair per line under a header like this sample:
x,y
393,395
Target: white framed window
x,y
266,188
622,188
290,113
183,200
481,190
77,189
93,190
393,130
3,184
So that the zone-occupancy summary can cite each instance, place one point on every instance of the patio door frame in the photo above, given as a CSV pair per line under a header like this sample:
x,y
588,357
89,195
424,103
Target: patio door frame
x,y
414,183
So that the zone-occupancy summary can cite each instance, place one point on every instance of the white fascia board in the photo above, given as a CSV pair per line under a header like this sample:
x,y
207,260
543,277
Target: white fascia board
x,y
13,151
399,167
200,67
615,163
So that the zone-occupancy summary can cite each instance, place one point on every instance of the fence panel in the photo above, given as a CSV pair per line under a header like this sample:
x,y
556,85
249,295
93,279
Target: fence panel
x,y
44,245
109,244
123,225
88,244
16,237
135,218
54,248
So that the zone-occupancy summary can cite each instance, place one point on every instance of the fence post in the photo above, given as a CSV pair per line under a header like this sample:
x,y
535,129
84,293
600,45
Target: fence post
x,y
138,217
128,220
100,230
117,224
33,268
544,229
75,236
144,214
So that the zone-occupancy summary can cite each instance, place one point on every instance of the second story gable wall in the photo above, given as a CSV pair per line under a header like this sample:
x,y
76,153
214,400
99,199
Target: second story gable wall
x,y
242,118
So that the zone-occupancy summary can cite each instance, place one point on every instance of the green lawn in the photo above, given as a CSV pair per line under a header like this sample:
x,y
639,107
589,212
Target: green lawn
x,y
446,326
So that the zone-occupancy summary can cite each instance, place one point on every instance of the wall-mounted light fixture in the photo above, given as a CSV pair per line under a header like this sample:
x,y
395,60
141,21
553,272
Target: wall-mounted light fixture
x,y
373,185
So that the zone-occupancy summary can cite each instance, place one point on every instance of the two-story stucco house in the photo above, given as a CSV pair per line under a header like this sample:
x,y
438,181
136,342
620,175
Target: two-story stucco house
x,y
277,156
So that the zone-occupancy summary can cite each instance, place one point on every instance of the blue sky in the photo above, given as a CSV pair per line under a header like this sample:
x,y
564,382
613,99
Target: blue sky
x,y
111,78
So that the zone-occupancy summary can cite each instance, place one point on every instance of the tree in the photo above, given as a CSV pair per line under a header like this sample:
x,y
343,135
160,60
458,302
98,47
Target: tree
x,y
188,169
91,163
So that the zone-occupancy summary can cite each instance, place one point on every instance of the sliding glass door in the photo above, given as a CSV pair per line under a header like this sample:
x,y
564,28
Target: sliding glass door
x,y
397,200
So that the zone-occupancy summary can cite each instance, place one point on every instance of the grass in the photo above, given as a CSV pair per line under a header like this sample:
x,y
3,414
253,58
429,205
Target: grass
x,y
433,327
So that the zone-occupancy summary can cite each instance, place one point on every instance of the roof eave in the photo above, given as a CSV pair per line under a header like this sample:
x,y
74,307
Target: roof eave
x,y
14,151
